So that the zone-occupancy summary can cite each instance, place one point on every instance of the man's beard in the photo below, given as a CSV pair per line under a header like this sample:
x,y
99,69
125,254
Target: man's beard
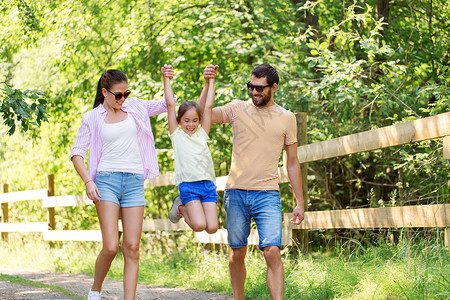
x,y
262,101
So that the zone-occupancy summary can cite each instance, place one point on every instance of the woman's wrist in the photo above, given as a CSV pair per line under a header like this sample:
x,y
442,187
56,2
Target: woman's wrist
x,y
88,181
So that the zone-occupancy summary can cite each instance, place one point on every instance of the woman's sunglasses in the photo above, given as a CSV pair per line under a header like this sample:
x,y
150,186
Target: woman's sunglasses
x,y
120,95
258,88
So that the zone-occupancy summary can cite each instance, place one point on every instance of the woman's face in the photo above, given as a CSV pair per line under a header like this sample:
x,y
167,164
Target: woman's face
x,y
110,99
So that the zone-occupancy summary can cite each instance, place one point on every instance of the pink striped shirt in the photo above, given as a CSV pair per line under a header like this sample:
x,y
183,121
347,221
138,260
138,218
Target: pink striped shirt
x,y
89,134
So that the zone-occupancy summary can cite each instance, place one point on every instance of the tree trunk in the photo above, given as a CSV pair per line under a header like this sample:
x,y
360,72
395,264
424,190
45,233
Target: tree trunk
x,y
306,17
382,8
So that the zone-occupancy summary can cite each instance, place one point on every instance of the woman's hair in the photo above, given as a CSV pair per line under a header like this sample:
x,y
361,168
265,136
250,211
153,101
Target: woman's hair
x,y
107,80
187,105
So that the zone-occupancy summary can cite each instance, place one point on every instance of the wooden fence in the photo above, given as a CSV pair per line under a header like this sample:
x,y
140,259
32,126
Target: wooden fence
x,y
432,216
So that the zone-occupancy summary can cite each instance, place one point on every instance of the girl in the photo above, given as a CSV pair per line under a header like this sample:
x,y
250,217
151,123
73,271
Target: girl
x,y
194,169
121,156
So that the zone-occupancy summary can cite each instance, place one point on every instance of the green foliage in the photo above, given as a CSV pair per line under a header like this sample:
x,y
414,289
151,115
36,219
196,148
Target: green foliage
x,y
27,16
366,79
14,108
351,65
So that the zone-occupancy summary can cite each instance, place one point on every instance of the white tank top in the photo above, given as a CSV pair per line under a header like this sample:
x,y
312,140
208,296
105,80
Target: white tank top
x,y
120,150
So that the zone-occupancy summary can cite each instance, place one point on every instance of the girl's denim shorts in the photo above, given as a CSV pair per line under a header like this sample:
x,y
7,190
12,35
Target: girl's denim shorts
x,y
203,190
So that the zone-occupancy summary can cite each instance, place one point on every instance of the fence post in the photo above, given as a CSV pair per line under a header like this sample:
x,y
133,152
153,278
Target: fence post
x,y
446,155
300,236
51,192
447,238
446,147
5,210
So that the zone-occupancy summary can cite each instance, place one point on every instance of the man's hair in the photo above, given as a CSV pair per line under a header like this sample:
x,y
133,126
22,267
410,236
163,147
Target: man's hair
x,y
266,71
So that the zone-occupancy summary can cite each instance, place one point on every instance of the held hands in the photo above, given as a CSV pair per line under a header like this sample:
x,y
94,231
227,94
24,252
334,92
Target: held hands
x,y
167,74
210,72
298,215
167,71
92,191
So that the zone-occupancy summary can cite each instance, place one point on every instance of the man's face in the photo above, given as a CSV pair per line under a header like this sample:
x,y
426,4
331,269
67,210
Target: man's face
x,y
260,98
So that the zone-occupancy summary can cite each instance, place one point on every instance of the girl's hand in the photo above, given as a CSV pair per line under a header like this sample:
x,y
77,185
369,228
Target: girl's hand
x,y
210,72
167,71
92,191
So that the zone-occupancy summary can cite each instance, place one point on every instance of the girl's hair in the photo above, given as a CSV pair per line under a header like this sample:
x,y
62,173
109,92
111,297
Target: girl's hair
x,y
107,80
187,105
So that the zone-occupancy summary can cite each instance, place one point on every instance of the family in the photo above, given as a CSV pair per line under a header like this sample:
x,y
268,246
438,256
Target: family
x,y
122,155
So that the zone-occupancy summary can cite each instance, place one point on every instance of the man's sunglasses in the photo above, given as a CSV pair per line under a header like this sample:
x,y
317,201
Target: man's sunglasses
x,y
258,88
120,95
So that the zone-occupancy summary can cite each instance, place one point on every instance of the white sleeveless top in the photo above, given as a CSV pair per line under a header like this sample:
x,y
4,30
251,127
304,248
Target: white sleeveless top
x,y
120,149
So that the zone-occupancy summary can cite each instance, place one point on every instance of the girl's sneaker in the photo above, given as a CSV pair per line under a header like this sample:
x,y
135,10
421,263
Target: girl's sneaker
x,y
174,214
93,295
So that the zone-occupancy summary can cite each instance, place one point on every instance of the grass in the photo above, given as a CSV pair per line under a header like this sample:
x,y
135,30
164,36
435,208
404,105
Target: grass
x,y
22,281
349,271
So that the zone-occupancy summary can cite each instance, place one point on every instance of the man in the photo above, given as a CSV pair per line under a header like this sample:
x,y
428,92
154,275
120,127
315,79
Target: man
x,y
260,130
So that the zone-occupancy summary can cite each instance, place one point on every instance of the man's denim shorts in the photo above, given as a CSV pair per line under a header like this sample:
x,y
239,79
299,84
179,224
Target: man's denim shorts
x,y
263,206
124,189
203,190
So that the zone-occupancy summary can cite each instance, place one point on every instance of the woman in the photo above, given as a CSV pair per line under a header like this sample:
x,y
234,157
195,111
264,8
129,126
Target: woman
x,y
122,155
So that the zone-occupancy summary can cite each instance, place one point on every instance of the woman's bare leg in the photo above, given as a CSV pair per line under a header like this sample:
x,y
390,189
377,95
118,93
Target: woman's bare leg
x,y
108,216
132,219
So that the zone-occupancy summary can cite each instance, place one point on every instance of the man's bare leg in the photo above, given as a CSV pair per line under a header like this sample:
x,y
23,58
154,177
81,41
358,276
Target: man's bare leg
x,y
275,272
237,271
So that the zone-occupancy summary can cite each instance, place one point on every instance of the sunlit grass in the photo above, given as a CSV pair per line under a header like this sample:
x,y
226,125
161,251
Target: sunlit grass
x,y
385,271
22,281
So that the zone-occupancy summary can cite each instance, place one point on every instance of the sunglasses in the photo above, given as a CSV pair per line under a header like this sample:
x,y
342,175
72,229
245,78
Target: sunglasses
x,y
258,88
120,95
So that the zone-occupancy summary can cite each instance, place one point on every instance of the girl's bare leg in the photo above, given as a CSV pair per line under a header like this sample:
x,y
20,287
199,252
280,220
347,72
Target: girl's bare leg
x,y
193,215
210,211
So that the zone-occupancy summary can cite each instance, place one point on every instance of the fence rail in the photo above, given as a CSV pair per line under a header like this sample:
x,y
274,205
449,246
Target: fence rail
x,y
427,216
23,196
434,216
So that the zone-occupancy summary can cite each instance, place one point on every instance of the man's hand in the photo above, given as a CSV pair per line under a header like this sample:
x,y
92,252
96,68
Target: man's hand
x,y
210,72
298,215
167,71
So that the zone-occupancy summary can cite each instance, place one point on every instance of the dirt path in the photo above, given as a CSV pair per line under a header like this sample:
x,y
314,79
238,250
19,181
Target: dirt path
x,y
79,285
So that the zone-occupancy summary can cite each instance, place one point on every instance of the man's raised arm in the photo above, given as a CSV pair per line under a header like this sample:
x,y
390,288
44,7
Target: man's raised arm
x,y
209,72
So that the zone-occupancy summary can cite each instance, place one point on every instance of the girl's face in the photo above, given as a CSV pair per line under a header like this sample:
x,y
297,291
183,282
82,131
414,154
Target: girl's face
x,y
189,121
110,101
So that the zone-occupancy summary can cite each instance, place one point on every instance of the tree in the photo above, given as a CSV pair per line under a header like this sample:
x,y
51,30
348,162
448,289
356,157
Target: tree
x,y
351,65
25,108
15,108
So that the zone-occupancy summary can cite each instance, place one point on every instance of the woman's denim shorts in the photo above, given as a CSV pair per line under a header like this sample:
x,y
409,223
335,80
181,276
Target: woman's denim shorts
x,y
263,206
125,189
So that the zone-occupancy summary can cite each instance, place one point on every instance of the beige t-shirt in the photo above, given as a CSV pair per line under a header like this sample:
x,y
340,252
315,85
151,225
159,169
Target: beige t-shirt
x,y
193,161
259,134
